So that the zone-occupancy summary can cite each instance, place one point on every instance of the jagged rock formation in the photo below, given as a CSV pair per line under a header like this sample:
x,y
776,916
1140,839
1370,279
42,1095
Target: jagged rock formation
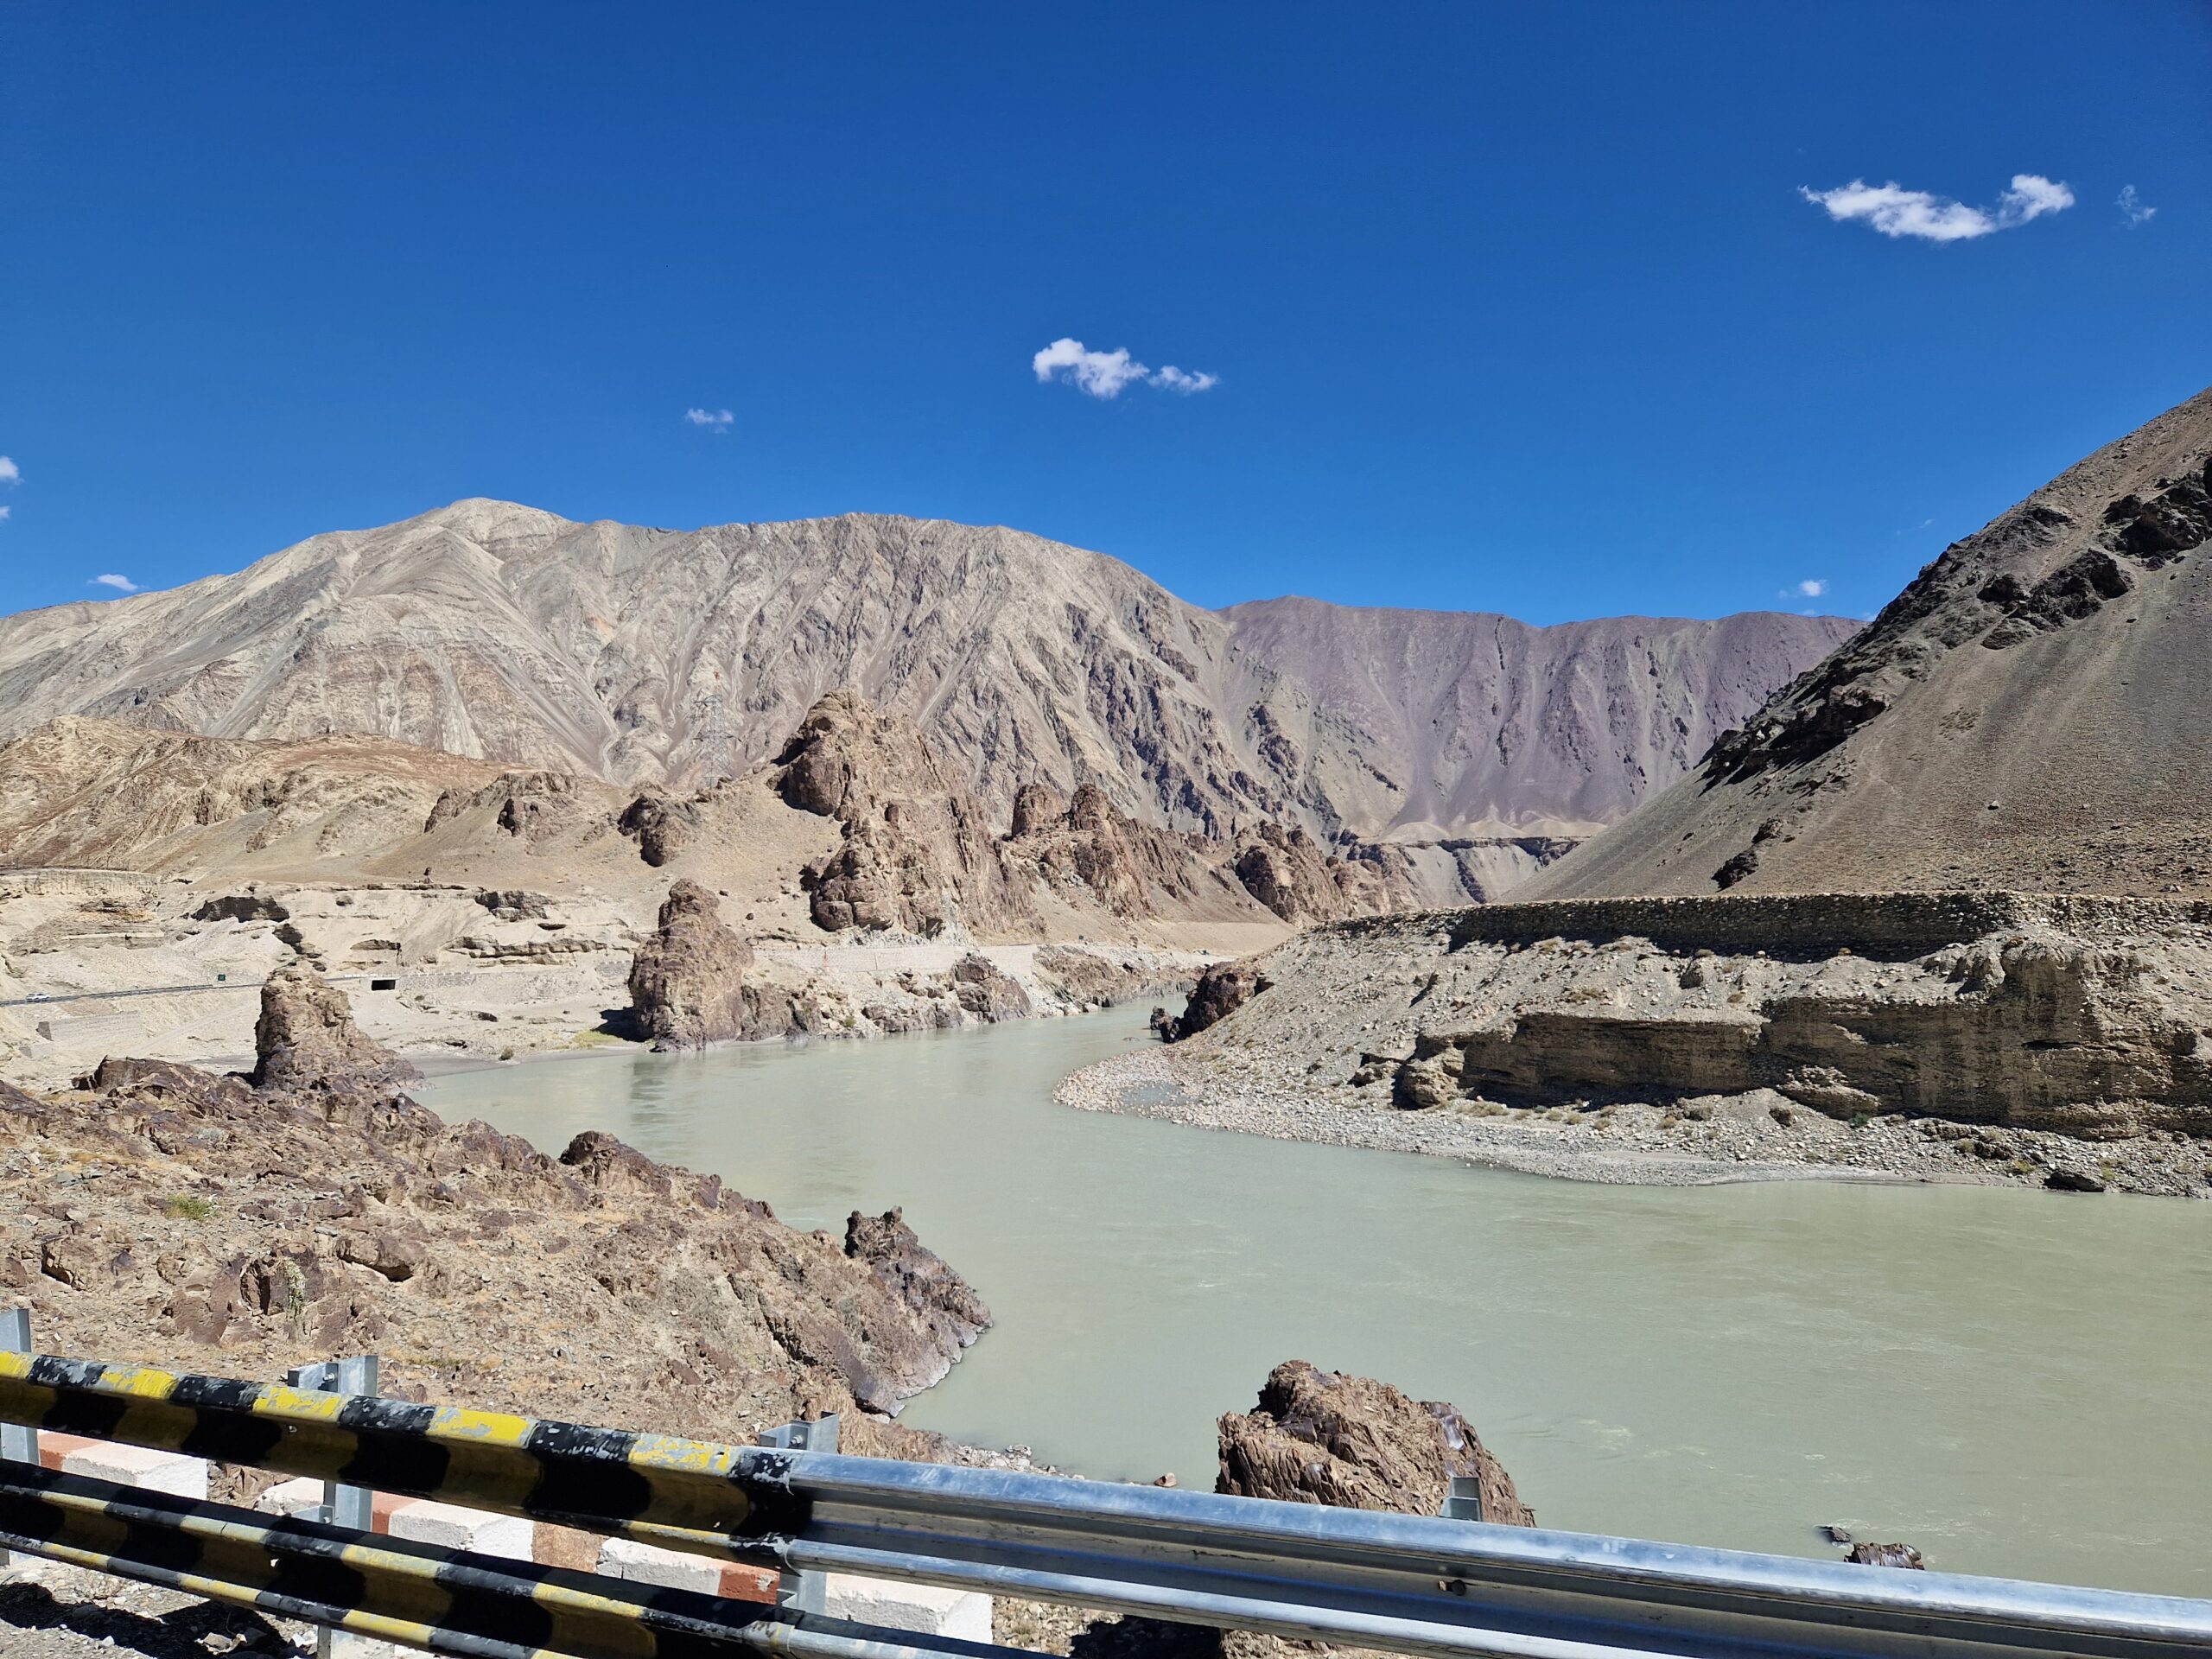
x,y
1325,1437
2032,712
688,981
640,656
1220,991
306,1039
984,991
917,856
919,1281
2082,1016
662,824
244,1231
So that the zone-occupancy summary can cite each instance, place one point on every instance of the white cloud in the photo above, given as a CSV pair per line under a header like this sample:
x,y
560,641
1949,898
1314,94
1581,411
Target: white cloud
x,y
9,473
1176,380
2132,207
1103,374
1895,211
4,511
1811,587
717,419
121,584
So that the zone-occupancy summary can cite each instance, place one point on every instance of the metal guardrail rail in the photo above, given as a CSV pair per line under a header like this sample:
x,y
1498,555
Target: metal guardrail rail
x,y
1409,1583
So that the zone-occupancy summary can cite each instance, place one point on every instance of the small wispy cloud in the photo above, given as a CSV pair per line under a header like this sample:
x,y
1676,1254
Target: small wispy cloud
x,y
9,473
715,420
1895,211
121,584
4,511
1811,587
2133,207
1104,374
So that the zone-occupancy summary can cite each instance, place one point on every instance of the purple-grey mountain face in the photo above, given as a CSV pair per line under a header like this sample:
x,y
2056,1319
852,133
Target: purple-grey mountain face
x,y
1431,724
499,631
2034,711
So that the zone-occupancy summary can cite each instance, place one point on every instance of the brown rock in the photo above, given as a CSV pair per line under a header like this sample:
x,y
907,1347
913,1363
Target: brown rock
x,y
686,981
987,993
1323,1437
919,1277
1220,991
306,1038
917,856
662,824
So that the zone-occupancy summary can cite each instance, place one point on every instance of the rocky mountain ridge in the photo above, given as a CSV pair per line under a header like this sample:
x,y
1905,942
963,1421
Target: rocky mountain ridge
x,y
2033,711
648,657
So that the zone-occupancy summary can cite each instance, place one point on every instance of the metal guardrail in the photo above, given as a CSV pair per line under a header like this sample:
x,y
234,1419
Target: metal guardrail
x,y
1410,1583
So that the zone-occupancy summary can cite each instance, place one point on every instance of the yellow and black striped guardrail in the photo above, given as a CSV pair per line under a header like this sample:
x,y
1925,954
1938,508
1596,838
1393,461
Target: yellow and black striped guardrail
x,y
447,1601
682,1494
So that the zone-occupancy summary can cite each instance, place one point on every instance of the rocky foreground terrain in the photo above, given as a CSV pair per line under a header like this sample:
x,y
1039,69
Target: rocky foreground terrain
x,y
635,657
2032,712
240,1224
2065,1042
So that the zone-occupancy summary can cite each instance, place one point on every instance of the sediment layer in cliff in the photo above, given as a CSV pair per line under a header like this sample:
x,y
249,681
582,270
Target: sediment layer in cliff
x,y
2084,1016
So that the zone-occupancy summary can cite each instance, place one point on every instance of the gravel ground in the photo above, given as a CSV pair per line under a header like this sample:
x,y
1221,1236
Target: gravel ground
x,y
51,1611
1760,1136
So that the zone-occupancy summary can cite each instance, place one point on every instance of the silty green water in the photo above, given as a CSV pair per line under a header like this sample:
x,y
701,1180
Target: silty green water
x,y
2019,1383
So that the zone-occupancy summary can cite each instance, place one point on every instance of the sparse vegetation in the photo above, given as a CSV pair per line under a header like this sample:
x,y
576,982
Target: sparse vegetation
x,y
187,1206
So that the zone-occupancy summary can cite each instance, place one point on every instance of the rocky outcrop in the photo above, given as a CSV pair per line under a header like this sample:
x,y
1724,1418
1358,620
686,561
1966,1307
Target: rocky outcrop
x,y
1086,849
920,1281
248,906
662,825
1221,990
688,981
241,1231
306,1039
916,857
985,991
2077,1016
2028,713
1324,1437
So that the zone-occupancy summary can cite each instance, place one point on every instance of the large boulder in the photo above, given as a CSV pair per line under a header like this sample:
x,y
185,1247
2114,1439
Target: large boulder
x,y
984,990
687,980
306,1039
1323,1437
1220,991
662,824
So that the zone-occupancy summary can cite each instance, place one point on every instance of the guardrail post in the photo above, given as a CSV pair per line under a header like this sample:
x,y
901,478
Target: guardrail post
x,y
342,1506
800,1591
18,1441
1463,1499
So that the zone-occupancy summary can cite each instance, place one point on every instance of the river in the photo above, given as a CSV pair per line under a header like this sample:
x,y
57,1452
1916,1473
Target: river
x,y
2019,1383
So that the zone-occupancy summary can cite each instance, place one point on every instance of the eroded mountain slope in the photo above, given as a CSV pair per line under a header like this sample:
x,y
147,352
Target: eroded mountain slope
x,y
2033,711
500,633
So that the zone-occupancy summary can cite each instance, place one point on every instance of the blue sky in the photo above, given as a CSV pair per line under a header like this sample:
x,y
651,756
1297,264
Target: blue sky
x,y
1520,309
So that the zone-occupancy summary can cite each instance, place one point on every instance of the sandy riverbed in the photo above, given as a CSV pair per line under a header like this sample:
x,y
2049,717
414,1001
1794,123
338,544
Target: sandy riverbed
x,y
1755,1137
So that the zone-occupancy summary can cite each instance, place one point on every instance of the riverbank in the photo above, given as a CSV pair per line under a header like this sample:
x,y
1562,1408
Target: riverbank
x,y
1758,1136
529,977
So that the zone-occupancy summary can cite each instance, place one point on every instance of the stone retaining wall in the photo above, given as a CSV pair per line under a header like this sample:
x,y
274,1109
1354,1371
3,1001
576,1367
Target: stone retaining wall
x,y
1900,925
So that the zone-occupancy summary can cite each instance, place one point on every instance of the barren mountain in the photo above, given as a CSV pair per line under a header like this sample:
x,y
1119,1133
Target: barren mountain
x,y
2034,711
634,656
